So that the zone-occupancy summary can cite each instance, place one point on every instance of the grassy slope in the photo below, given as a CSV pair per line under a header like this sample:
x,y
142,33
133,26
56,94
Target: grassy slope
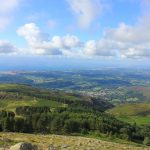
x,y
139,113
67,142
41,97
12,103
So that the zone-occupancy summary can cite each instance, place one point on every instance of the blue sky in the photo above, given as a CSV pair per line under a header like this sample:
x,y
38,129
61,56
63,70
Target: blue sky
x,y
63,21
114,30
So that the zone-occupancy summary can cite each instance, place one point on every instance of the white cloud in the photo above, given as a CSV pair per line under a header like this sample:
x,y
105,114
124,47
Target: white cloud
x,y
86,11
132,40
6,10
138,33
68,45
6,47
124,41
32,34
100,48
40,44
71,41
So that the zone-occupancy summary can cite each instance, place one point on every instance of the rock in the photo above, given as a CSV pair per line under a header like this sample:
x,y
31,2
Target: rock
x,y
80,144
64,146
24,146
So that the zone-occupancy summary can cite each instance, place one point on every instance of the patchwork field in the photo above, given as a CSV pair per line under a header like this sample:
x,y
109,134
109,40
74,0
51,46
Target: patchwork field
x,y
144,90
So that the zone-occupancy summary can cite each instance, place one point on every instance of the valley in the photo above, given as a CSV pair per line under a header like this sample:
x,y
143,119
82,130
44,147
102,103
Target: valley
x,y
113,107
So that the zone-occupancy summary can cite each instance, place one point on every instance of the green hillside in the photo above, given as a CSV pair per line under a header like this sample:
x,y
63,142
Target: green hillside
x,y
139,113
13,95
31,110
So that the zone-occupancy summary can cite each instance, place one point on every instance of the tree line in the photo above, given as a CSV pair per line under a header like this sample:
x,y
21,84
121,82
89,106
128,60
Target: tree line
x,y
30,119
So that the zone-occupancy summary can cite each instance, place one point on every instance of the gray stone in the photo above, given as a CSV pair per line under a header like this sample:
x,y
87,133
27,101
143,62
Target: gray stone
x,y
24,146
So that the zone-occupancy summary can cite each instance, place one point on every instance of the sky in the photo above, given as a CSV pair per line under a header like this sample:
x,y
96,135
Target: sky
x,y
74,33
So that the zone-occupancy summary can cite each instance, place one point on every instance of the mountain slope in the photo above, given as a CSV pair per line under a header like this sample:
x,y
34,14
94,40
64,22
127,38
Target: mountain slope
x,y
30,110
24,95
60,142
138,112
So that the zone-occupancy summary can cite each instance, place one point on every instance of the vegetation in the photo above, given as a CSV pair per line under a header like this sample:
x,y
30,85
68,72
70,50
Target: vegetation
x,y
67,142
24,94
114,85
57,112
141,109
41,120
138,112
81,109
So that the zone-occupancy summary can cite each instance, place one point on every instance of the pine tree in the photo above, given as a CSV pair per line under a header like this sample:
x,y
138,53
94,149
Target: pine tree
x,y
7,125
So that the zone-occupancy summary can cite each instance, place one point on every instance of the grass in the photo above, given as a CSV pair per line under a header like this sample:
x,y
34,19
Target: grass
x,y
135,119
68,142
108,138
12,104
139,109
139,113
10,86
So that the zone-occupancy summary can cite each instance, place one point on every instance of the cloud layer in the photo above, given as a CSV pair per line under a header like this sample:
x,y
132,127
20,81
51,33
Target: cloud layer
x,y
39,42
7,47
123,41
132,41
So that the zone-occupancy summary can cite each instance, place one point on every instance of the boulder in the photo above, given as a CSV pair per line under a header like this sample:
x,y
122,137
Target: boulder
x,y
24,146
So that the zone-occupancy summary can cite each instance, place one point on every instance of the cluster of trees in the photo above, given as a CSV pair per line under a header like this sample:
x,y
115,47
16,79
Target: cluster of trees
x,y
28,110
63,121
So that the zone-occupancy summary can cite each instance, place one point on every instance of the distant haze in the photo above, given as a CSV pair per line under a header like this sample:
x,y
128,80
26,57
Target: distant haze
x,y
62,63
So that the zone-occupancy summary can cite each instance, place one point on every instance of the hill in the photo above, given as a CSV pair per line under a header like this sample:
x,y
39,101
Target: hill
x,y
139,113
114,85
31,110
14,95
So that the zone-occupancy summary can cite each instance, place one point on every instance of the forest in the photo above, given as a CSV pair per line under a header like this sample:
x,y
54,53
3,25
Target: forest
x,y
68,121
